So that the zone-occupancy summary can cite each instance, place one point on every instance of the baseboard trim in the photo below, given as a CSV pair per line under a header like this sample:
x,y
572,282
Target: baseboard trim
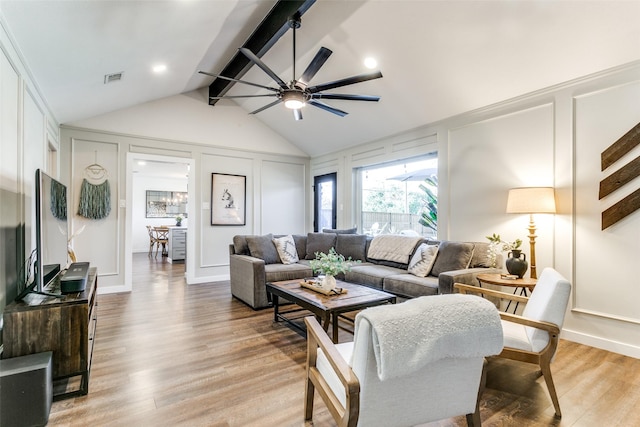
x,y
206,279
604,344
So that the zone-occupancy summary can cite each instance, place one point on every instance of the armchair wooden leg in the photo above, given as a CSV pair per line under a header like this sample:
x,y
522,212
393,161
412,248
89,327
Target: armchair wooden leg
x,y
546,373
308,400
473,420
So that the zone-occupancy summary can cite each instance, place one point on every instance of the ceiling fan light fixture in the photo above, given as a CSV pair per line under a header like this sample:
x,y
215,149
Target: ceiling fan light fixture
x,y
293,99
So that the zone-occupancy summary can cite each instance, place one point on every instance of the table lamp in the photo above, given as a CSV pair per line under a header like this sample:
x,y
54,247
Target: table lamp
x,y
531,200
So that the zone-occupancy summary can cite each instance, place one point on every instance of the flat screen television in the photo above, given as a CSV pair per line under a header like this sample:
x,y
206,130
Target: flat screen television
x,y
51,232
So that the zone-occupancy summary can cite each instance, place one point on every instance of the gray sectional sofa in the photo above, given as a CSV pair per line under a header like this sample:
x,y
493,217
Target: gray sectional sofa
x,y
254,261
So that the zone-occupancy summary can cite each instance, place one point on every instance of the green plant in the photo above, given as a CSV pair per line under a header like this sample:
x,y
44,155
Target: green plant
x,y
506,246
496,243
429,216
331,264
179,218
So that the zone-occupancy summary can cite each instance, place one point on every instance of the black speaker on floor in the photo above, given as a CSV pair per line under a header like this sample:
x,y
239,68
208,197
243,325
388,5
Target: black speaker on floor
x,y
26,390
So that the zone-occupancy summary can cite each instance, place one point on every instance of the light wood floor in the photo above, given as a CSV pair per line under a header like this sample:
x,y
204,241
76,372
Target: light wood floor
x,y
168,354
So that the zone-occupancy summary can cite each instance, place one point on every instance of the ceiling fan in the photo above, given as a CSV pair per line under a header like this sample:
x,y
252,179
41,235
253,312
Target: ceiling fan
x,y
297,93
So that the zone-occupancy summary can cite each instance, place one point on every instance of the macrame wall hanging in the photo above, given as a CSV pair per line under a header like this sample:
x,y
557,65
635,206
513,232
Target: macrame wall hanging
x,y
95,192
58,200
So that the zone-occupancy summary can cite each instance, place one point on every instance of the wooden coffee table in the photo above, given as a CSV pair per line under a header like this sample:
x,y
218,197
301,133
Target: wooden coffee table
x,y
327,308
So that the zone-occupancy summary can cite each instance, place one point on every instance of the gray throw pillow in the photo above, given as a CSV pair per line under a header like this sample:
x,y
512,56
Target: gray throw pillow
x,y
338,231
452,256
352,245
240,245
319,242
262,247
480,255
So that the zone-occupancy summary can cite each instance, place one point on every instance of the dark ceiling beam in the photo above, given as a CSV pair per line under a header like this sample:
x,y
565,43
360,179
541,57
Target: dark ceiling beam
x,y
272,27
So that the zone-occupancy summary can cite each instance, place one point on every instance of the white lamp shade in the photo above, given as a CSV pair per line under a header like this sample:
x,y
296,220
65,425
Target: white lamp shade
x,y
531,200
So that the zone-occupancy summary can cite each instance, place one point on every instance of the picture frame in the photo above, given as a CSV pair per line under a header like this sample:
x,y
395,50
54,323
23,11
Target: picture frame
x,y
228,199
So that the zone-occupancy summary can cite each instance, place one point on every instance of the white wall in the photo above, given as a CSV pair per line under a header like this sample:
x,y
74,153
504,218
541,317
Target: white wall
x,y
28,131
553,137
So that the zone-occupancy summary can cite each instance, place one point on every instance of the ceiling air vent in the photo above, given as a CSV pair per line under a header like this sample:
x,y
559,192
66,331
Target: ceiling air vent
x,y
110,78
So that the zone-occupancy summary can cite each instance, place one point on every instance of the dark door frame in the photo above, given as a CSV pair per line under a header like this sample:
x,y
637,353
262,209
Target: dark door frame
x,y
317,203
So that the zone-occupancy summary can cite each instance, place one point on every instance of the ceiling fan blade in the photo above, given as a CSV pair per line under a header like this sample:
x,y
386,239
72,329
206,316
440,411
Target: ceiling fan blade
x,y
345,97
239,81
242,96
345,82
263,66
316,63
266,106
297,114
328,108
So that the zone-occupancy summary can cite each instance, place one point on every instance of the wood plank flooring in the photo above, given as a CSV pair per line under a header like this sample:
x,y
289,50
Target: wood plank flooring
x,y
169,354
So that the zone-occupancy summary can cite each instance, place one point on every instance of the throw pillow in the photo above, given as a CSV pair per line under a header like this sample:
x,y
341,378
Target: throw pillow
x,y
262,247
480,255
422,261
352,245
452,256
319,242
286,248
337,231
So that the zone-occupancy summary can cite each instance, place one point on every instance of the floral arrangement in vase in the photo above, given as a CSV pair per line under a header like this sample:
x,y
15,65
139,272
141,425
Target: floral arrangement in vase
x,y
497,245
330,265
179,220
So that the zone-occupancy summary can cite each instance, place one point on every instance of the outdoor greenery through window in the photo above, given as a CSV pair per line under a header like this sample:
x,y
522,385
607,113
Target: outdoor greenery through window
x,y
400,197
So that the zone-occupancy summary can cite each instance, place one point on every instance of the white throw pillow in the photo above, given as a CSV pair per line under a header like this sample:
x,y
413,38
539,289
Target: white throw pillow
x,y
422,261
286,248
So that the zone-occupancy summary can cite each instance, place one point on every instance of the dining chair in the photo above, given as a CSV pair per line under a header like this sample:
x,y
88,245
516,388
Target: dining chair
x,y
533,336
162,239
152,239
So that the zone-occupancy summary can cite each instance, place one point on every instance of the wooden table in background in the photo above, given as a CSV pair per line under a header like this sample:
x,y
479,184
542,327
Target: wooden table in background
x,y
496,279
327,308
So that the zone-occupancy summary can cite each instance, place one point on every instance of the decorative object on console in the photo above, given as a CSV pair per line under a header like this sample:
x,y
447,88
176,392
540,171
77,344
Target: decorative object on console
x,y
532,200
179,221
228,199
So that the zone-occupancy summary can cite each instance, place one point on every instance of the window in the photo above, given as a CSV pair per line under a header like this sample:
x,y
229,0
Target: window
x,y
399,197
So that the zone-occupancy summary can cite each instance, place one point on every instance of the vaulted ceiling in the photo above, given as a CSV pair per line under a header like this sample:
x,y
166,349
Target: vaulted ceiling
x,y
438,58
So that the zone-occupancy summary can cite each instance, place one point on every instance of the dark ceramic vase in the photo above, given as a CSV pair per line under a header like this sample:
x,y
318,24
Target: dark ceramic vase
x,y
515,264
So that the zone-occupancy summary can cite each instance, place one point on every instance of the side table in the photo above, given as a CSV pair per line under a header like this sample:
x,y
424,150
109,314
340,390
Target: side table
x,y
497,279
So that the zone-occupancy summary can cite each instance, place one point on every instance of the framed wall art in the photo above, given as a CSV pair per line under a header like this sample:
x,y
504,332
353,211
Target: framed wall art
x,y
228,199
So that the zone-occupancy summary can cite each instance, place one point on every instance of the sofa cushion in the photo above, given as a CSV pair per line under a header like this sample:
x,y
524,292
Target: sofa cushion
x,y
480,255
422,261
338,231
319,242
286,248
452,256
410,286
240,246
301,245
278,272
351,246
262,247
370,274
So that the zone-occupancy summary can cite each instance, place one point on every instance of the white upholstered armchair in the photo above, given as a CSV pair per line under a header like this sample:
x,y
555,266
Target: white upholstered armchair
x,y
408,364
533,336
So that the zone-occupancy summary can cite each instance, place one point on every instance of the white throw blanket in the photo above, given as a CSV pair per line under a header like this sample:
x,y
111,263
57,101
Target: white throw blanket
x,y
410,335
393,247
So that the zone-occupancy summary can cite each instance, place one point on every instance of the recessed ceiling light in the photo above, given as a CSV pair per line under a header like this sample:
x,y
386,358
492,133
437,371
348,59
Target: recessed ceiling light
x,y
161,68
370,63
142,162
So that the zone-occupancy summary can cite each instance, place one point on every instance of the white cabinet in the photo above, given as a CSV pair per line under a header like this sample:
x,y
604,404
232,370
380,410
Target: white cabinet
x,y
177,249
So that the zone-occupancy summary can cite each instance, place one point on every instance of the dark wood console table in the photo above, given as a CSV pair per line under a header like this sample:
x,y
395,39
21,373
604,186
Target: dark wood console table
x,y
66,326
